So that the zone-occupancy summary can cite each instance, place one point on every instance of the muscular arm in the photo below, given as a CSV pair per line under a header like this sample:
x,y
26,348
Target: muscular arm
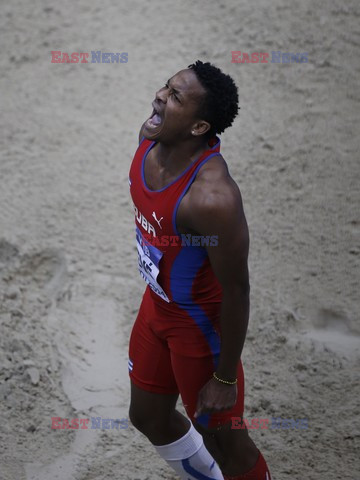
x,y
229,263
214,207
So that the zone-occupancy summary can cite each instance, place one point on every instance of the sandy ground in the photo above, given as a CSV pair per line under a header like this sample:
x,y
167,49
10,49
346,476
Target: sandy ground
x,y
69,286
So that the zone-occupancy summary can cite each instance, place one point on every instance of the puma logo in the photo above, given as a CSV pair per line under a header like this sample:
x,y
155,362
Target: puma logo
x,y
158,221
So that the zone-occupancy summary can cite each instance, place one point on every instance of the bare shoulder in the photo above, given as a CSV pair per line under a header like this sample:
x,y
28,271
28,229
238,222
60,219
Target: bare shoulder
x,y
214,188
214,196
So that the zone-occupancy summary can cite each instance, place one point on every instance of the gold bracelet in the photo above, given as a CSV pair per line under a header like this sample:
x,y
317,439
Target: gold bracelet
x,y
223,381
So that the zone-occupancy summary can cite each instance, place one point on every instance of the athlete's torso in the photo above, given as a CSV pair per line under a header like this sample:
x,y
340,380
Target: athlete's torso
x,y
176,268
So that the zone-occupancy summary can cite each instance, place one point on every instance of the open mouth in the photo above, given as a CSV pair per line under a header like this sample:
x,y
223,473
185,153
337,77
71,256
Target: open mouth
x,y
154,120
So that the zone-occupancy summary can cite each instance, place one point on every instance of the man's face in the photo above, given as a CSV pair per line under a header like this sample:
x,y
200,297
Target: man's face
x,y
176,109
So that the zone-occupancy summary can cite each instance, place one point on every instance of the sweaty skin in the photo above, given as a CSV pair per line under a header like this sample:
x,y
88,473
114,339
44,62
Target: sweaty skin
x,y
212,206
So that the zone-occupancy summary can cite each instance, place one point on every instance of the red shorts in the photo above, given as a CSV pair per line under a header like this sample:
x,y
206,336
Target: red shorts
x,y
175,350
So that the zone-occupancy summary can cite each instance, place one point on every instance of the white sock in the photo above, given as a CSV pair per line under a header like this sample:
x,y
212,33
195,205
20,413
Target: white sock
x,y
189,457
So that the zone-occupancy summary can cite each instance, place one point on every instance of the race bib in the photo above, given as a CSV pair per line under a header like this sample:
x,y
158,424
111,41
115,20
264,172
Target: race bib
x,y
149,258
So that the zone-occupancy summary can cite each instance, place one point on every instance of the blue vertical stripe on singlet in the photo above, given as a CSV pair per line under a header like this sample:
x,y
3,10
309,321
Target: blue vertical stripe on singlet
x,y
183,272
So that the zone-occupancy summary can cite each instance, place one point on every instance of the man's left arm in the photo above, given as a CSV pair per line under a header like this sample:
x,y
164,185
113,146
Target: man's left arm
x,y
222,214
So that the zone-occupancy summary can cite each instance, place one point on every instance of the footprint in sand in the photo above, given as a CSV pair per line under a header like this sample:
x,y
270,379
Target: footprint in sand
x,y
43,272
8,253
333,328
39,276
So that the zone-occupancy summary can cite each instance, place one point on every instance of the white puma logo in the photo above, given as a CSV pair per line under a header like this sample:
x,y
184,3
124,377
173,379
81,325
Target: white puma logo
x,y
158,221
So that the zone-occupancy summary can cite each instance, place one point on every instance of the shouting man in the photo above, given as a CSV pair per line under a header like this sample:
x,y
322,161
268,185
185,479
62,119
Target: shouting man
x,y
192,240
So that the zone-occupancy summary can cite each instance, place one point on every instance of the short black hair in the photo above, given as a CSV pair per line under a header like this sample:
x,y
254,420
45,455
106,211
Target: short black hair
x,y
220,105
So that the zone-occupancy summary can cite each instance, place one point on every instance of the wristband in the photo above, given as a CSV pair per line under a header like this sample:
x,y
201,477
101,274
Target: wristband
x,y
223,381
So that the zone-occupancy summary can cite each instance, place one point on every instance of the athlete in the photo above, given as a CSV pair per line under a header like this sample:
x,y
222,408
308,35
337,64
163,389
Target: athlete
x,y
192,241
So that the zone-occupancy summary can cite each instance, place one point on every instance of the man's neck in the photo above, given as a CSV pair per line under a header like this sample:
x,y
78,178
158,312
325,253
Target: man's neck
x,y
176,157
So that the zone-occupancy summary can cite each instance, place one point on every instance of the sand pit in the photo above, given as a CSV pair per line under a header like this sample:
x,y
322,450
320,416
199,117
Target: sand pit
x,y
69,286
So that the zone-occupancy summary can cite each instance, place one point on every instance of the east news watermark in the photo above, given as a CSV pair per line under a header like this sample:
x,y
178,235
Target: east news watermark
x,y
273,423
182,240
95,56
92,423
99,423
277,56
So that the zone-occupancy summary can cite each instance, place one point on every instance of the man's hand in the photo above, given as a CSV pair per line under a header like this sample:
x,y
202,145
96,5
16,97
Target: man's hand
x,y
215,397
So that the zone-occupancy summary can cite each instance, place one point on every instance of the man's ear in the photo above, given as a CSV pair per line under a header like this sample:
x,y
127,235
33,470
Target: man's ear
x,y
200,127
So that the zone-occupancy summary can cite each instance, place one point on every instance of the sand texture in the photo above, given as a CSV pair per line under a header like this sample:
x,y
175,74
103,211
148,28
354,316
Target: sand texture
x,y
69,285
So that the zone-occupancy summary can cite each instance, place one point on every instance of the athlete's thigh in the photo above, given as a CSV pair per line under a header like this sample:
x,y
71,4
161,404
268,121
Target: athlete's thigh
x,y
152,408
150,366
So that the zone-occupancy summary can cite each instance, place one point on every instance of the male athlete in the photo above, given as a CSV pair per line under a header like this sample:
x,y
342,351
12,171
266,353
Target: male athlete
x,y
192,240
